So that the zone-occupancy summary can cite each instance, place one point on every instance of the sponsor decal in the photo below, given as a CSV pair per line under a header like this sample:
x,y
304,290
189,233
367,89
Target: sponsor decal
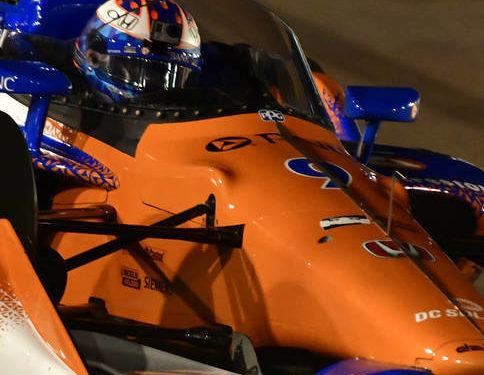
x,y
133,22
389,249
58,131
470,348
446,183
471,192
129,278
271,115
341,221
306,168
154,254
235,142
227,144
130,49
470,309
270,137
5,83
158,285
469,305
124,20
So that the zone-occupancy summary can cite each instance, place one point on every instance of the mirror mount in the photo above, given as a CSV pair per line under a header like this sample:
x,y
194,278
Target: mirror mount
x,y
367,142
34,124
39,80
377,104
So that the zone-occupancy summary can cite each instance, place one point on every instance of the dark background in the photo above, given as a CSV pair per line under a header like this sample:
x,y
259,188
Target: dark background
x,y
434,46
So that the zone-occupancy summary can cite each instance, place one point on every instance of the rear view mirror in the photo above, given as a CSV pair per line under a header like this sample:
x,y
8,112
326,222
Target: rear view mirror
x,y
29,77
382,103
41,81
376,104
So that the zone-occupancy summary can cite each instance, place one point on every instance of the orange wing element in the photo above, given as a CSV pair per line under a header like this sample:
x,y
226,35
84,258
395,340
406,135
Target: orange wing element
x,y
38,341
333,98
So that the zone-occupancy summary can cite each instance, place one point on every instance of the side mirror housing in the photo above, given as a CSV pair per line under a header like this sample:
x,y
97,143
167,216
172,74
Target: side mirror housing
x,y
30,77
41,81
376,104
382,103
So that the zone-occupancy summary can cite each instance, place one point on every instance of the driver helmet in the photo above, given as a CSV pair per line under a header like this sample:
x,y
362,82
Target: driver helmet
x,y
132,47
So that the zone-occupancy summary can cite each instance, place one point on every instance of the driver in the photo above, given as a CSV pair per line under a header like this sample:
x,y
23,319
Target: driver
x,y
133,47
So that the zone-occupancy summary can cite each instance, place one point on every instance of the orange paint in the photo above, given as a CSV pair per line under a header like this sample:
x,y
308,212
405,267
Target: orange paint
x,y
19,280
285,286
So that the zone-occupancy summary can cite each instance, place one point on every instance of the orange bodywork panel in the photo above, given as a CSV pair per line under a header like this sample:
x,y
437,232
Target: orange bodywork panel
x,y
294,282
25,304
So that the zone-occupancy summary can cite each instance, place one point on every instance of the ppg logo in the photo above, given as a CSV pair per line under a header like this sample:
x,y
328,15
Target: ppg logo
x,y
271,115
305,167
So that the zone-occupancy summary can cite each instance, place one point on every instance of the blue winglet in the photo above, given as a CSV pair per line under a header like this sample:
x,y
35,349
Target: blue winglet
x,y
30,77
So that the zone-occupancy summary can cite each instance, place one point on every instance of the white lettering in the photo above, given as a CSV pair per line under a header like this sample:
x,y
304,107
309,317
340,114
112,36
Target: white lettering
x,y
421,316
471,186
111,13
451,313
469,309
4,82
477,316
447,183
459,184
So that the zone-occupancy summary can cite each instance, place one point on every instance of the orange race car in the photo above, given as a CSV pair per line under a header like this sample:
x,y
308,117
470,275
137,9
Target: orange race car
x,y
190,171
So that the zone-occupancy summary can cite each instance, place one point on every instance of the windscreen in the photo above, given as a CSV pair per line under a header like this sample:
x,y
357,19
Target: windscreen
x,y
249,52
250,60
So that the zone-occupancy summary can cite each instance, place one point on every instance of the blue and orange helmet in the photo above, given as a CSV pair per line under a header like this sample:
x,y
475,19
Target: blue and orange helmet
x,y
132,47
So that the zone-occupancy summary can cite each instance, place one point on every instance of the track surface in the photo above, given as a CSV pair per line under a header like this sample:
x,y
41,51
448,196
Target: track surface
x,y
434,46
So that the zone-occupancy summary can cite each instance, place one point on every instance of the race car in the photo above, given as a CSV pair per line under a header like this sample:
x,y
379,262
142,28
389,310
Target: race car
x,y
192,171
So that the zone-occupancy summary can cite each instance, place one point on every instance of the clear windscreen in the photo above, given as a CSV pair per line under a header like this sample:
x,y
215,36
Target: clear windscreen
x,y
250,60
248,50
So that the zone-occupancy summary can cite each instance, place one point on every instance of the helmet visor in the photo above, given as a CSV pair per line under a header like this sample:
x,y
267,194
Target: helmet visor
x,y
143,74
